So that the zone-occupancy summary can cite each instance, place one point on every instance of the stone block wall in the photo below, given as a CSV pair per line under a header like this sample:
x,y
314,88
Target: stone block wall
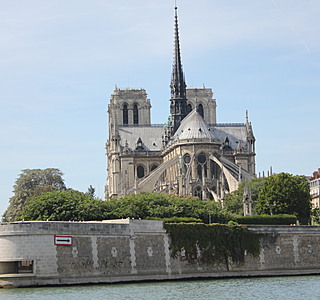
x,y
133,250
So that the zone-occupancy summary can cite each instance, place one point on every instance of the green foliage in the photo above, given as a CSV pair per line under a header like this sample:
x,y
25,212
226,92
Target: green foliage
x,y
31,183
91,191
233,202
315,214
176,220
69,205
268,220
285,194
216,242
73,205
166,206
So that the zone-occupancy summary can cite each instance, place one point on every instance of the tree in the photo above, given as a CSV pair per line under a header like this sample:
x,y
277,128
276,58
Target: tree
x,y
30,183
233,202
91,191
285,194
157,205
69,205
315,214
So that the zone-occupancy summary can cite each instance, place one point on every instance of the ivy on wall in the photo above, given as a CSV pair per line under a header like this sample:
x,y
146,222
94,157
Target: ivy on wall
x,y
214,243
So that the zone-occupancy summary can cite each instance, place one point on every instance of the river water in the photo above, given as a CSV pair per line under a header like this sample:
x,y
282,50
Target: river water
x,y
283,288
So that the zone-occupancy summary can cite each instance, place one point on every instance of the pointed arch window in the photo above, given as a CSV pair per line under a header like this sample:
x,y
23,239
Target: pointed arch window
x,y
135,114
200,110
140,171
202,166
199,171
153,167
189,108
125,114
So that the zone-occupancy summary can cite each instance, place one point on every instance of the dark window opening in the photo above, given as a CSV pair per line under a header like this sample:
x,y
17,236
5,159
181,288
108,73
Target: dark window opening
x,y
205,171
187,159
199,170
140,171
202,158
15,267
189,108
135,114
125,115
200,110
153,167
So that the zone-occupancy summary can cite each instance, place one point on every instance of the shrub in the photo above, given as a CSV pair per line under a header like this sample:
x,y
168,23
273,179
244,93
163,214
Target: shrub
x,y
177,220
267,219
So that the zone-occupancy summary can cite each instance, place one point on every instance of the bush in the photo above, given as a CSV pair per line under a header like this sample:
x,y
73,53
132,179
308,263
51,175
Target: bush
x,y
161,206
177,220
267,220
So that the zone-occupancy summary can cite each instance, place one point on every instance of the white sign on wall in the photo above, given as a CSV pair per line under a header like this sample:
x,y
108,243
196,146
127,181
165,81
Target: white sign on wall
x,y
63,240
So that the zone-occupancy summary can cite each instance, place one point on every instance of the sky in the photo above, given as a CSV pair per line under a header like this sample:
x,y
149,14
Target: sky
x,y
61,60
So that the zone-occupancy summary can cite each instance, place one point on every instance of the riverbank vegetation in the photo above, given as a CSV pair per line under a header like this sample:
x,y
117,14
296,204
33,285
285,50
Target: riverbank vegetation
x,y
214,243
42,195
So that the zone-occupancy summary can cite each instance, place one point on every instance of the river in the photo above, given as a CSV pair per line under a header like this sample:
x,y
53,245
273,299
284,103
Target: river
x,y
283,288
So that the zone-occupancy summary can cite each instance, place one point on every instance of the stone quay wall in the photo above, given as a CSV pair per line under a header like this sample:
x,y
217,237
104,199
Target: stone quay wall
x,y
55,253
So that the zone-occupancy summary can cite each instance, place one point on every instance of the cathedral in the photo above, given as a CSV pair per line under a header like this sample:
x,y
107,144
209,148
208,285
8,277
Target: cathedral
x,y
191,154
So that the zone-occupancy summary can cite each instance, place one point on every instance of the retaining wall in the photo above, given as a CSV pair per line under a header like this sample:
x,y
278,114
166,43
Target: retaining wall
x,y
54,253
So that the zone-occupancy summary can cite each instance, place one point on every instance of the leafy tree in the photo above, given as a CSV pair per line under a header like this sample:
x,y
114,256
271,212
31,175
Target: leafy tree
x,y
91,191
285,194
315,214
75,206
69,205
30,183
156,205
233,202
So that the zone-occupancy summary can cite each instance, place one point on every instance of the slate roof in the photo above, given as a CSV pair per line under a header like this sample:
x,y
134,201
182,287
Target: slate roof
x,y
151,136
237,133
192,127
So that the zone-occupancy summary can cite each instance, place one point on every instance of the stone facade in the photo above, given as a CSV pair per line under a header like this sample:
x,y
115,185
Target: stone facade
x,y
135,250
191,154
314,182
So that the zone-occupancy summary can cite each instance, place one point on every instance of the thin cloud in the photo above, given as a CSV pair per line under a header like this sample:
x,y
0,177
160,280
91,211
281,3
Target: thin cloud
x,y
294,31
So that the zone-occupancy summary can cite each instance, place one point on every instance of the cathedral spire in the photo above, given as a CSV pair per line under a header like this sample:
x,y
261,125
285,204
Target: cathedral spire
x,y
178,106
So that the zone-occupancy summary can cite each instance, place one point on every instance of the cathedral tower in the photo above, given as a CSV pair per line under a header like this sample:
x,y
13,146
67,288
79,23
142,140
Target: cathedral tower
x,y
191,154
178,105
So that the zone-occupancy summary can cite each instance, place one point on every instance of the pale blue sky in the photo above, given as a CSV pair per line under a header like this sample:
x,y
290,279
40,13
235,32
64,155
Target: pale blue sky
x,y
60,61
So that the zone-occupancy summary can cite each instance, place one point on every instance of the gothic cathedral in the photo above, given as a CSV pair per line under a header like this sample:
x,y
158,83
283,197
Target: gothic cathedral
x,y
191,154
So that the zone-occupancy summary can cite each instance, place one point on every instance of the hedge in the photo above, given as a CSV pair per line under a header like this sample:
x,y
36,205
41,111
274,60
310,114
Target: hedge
x,y
267,219
177,220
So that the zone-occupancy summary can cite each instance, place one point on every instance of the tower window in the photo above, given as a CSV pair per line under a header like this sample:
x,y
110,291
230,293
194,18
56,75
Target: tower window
x,y
200,110
125,114
153,167
189,108
135,114
140,171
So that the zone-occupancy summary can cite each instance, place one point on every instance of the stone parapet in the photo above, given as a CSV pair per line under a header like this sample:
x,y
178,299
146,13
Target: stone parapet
x,y
53,253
